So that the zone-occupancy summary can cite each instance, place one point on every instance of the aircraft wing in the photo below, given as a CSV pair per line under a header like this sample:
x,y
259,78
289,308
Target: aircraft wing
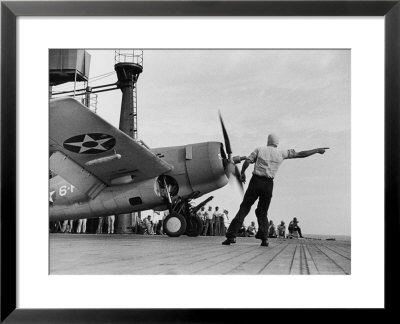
x,y
97,148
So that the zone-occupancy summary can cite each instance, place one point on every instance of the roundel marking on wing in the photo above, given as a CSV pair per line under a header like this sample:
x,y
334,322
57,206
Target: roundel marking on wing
x,y
92,143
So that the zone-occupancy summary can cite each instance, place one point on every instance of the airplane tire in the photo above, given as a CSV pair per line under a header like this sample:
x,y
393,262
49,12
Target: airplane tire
x,y
174,225
197,227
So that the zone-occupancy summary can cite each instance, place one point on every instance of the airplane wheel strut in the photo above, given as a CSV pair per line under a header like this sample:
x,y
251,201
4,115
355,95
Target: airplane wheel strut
x,y
196,227
174,224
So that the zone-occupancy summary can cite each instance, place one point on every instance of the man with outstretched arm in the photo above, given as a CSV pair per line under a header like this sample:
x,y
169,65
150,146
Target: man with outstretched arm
x,y
267,160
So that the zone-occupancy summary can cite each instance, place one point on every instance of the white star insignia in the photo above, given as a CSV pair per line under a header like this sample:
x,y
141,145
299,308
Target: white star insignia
x,y
51,196
89,139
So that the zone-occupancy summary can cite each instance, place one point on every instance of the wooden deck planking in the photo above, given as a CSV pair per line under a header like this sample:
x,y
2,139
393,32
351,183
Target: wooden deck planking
x,y
342,252
312,265
341,261
194,262
327,261
281,261
137,254
250,262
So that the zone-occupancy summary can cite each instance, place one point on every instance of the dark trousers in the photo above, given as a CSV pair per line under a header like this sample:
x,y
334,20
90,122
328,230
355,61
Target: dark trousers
x,y
217,227
209,223
259,188
222,226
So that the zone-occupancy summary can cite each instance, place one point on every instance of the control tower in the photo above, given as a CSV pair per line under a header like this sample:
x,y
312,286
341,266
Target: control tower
x,y
128,66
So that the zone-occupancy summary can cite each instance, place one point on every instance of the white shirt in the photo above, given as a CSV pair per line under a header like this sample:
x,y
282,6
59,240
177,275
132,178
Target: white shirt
x,y
217,214
267,160
251,229
208,214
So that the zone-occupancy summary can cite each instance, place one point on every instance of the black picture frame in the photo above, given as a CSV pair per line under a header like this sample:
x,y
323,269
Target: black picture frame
x,y
11,10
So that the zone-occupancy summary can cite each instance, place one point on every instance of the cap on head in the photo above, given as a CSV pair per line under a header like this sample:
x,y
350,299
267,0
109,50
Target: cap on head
x,y
273,139
295,220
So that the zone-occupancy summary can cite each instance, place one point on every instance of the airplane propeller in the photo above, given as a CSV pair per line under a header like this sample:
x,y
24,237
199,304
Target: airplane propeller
x,y
230,162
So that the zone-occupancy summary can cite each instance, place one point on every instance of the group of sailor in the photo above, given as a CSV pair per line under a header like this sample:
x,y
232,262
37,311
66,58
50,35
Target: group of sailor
x,y
214,222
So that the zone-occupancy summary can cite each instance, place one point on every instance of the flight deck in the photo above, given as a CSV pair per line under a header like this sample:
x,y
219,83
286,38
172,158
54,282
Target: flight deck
x,y
129,254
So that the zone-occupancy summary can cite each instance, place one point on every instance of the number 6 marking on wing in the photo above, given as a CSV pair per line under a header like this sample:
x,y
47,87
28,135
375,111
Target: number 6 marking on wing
x,y
63,190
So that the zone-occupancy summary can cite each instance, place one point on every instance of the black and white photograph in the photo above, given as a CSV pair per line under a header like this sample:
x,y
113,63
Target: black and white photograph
x,y
199,161
159,158
196,161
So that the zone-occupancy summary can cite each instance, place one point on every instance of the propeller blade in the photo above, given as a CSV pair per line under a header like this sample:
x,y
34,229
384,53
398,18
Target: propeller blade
x,y
237,176
230,166
226,138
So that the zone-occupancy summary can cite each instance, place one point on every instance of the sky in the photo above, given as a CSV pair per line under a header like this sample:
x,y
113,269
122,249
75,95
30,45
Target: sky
x,y
303,96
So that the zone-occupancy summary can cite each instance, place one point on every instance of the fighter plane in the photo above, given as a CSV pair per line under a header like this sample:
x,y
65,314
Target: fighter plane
x,y
102,171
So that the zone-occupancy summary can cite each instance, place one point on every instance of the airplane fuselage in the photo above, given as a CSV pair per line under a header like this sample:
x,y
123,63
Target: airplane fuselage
x,y
197,169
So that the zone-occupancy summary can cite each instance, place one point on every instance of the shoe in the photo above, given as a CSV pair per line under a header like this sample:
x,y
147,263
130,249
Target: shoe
x,y
229,241
264,243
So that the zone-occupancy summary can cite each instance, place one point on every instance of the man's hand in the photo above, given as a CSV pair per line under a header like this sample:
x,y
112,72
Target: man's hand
x,y
242,178
322,150
304,154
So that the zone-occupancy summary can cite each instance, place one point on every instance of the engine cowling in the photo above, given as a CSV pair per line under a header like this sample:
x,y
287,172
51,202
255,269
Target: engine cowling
x,y
198,168
206,169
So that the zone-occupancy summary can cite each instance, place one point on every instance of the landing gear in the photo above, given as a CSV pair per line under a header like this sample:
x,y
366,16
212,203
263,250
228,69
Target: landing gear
x,y
196,226
174,225
193,224
182,218
188,224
